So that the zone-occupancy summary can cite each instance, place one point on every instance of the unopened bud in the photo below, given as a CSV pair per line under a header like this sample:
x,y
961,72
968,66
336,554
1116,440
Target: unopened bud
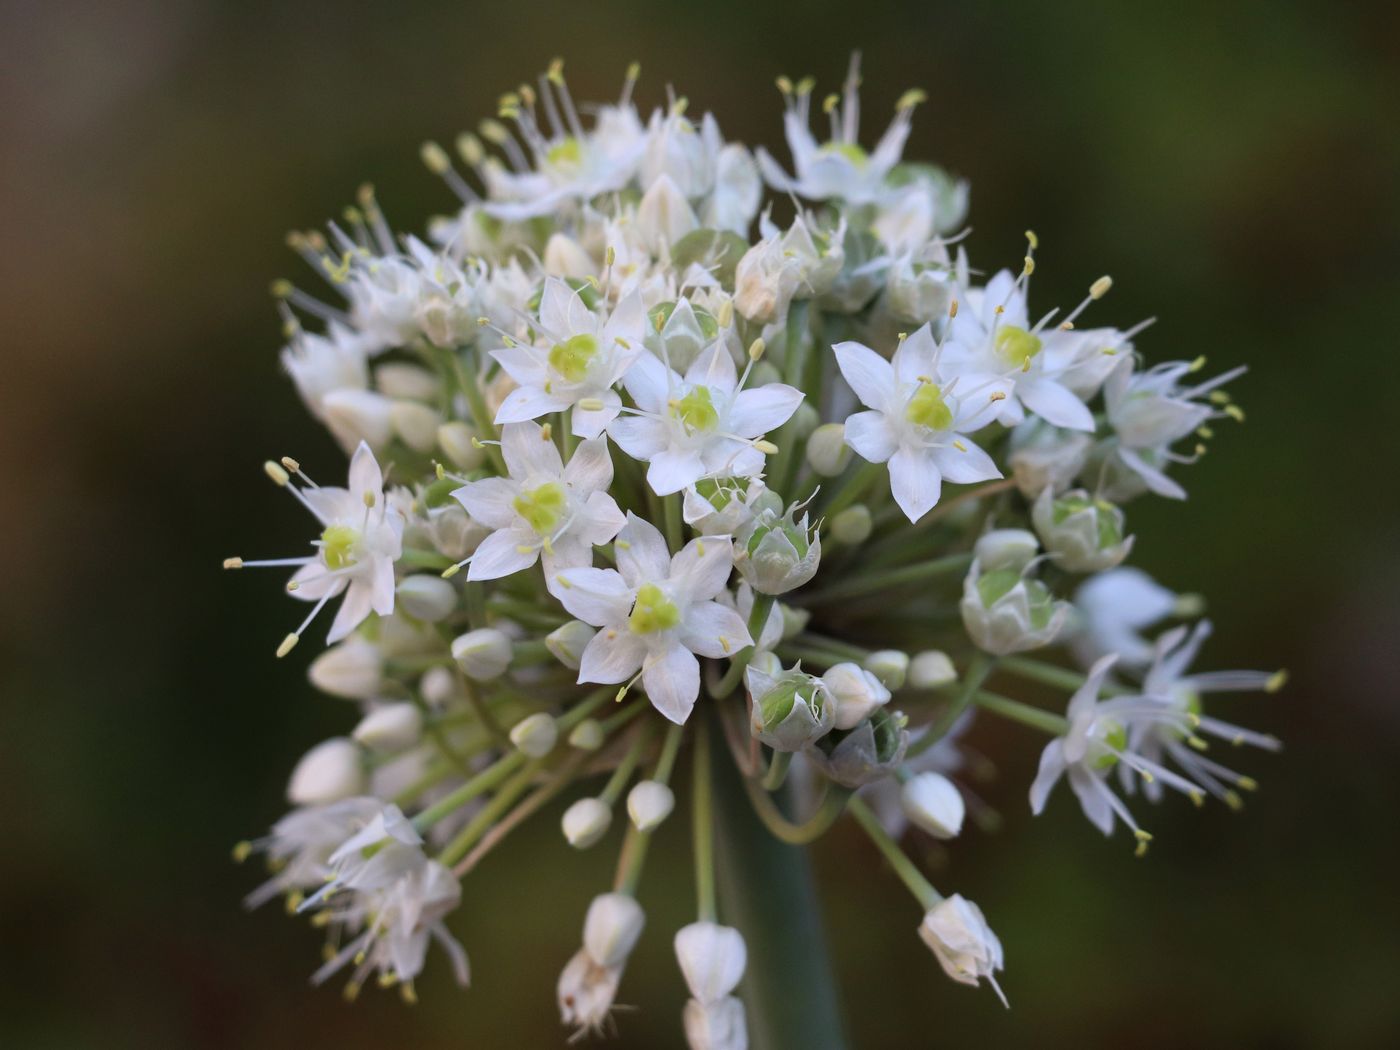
x,y
535,735
649,803
483,654
353,669
459,443
611,929
891,666
827,451
853,525
804,420
586,821
390,728
416,424
329,772
568,642
587,735
931,801
712,959
856,692
1006,549
427,597
931,669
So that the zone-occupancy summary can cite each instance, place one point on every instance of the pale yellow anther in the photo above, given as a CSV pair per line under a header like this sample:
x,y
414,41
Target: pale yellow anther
x,y
1147,777
959,446
493,131
756,349
591,404
610,256
233,563
1067,326
288,644
527,95
830,102
784,85
276,472
369,498
998,395
1205,432
556,72
1276,681
623,545
1197,799
1233,800
805,85
1197,742
1000,310
547,432
1032,240
1100,288
1247,783
242,851
679,107
1234,412
953,309
634,71
435,158
351,992
292,586
407,994
766,447
910,99
451,571
322,919
1197,365
724,643
469,148
1029,267
726,313
281,288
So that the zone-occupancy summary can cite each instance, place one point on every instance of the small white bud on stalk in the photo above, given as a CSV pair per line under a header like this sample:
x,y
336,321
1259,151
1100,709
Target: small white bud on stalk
x,y
390,728
715,1026
856,693
329,772
962,942
587,735
853,525
535,735
931,669
931,801
352,669
1006,549
611,928
483,654
712,959
568,642
827,451
891,666
586,821
406,382
459,443
565,257
358,415
649,803
426,597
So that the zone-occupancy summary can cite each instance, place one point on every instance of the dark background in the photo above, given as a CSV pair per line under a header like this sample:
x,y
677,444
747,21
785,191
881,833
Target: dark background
x,y
1233,166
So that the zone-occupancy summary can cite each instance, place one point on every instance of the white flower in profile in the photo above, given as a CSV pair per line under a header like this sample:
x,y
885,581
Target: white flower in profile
x,y
721,178
589,981
323,364
390,900
584,357
962,942
299,847
993,334
701,426
1112,610
1181,694
655,614
543,507
916,423
383,294
361,538
1100,735
840,167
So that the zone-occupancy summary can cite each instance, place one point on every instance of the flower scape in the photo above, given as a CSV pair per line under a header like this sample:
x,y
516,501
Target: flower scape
x,y
641,479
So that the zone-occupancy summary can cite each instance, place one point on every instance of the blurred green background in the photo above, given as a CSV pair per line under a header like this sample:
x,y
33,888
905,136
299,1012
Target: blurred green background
x,y
1235,167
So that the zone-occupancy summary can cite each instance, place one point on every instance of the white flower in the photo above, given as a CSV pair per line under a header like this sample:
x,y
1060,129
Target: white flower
x,y
1081,534
838,168
855,693
778,553
322,364
992,334
1101,734
544,507
576,369
383,294
1113,608
790,708
361,538
934,803
1008,611
301,843
1044,457
962,942
915,423
589,982
656,614
712,959
765,281
701,426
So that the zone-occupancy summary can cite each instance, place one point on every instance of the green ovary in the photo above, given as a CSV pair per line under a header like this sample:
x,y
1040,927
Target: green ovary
x,y
571,358
1114,739
338,544
653,611
1016,346
928,409
542,507
849,150
566,153
696,410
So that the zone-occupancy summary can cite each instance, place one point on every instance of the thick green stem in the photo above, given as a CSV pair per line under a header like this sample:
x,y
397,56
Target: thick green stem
x,y
1047,721
769,895
874,582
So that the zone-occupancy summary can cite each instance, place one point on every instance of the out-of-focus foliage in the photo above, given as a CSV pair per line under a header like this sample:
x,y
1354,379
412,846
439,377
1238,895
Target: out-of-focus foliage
x,y
1235,167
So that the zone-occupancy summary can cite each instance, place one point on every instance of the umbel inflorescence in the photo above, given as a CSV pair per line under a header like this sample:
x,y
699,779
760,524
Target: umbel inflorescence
x,y
639,474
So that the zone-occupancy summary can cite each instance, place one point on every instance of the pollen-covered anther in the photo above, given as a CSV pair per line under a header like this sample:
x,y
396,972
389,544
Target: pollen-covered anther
x,y
288,644
1100,288
233,563
1276,681
276,472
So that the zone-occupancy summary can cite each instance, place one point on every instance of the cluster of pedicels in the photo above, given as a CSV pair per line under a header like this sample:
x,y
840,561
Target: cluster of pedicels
x,y
622,443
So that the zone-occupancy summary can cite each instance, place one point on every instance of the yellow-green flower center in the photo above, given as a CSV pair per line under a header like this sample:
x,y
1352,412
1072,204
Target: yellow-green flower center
x,y
928,409
338,544
1016,346
565,153
571,358
696,410
849,150
1114,737
653,611
541,507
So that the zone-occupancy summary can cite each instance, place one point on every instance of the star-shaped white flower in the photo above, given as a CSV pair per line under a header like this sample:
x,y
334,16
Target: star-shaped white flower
x,y
702,425
916,423
655,614
582,358
544,507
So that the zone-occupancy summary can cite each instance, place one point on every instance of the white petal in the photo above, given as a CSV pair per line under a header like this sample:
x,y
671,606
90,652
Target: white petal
x,y
1055,404
365,476
521,363
672,681
710,629
600,521
490,501
591,422
501,554
640,437
964,465
529,453
590,468
871,436
1157,481
642,554
714,368
1093,798
597,596
866,372
670,471
612,655
381,585
701,569
1052,767
915,356
354,607
527,402
763,408
915,481
650,383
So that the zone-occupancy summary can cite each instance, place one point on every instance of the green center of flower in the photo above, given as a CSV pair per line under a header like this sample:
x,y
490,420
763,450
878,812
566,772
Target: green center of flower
x,y
571,358
653,611
542,507
338,545
1110,528
1016,346
928,409
779,701
850,150
696,410
565,153
1113,737
994,586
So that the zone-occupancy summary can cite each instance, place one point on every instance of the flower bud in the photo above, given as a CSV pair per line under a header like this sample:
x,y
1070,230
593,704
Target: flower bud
x,y
649,803
804,420
678,331
866,753
780,553
438,685
358,415
1045,457
963,943
1006,549
611,929
919,292
352,669
827,451
587,735
791,709
891,666
765,281
453,532
586,821
565,257
416,424
1007,612
456,441
329,772
536,734
931,669
390,728
568,642
1081,533
402,381
853,525
483,654
932,802
855,693
766,662
721,507
795,620
715,1026
664,216
427,597
712,959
